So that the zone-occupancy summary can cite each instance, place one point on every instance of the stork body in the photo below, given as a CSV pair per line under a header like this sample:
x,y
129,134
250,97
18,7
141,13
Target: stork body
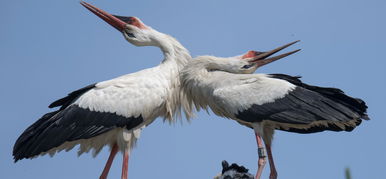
x,y
112,112
267,102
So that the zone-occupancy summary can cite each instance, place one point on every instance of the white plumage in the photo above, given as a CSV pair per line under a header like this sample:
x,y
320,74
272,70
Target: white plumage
x,y
143,93
113,112
267,102
226,93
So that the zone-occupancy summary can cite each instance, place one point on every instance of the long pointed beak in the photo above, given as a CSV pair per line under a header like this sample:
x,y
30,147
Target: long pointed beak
x,y
262,59
113,21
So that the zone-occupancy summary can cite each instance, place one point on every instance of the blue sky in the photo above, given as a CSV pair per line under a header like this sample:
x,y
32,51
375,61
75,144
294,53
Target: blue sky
x,y
50,48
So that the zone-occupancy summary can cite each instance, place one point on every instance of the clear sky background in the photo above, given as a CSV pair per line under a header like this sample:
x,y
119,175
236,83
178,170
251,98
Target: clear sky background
x,y
50,48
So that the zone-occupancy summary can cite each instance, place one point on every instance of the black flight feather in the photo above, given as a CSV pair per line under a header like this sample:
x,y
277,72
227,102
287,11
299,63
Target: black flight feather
x,y
307,104
69,123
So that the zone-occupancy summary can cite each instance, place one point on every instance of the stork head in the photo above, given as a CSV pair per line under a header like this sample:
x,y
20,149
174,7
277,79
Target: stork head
x,y
242,64
132,28
250,61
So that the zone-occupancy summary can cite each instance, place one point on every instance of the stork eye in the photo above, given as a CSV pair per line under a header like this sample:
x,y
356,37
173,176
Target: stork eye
x,y
247,66
129,34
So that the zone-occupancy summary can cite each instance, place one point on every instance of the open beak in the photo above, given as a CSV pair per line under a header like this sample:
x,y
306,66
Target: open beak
x,y
112,20
262,59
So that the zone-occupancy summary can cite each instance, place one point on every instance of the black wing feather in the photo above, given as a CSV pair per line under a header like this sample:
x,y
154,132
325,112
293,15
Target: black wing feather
x,y
307,104
334,94
69,123
66,101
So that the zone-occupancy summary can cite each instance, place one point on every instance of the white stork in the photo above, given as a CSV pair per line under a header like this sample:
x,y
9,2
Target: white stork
x,y
267,102
112,112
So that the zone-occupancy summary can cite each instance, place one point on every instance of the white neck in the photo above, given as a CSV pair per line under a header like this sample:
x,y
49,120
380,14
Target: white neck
x,y
172,49
176,57
197,70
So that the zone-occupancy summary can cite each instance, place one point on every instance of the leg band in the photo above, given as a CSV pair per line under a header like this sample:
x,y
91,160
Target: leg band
x,y
262,153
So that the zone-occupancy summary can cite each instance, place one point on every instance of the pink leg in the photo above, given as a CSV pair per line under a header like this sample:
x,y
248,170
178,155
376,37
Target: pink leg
x,y
125,164
262,157
273,174
106,170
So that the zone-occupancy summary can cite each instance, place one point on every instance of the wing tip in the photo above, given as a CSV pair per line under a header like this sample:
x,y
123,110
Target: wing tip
x,y
16,158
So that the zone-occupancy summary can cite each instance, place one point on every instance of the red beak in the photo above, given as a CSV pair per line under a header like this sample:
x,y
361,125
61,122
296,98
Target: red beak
x,y
115,22
261,58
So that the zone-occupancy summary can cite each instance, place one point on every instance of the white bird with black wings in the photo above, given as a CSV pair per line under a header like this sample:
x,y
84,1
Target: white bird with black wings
x,y
267,102
112,112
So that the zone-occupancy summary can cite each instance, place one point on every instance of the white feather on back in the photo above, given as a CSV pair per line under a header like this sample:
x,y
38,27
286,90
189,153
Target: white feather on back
x,y
248,90
225,91
142,93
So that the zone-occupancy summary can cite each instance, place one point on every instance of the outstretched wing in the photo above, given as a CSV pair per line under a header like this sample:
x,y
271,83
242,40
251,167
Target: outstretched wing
x,y
290,105
91,111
